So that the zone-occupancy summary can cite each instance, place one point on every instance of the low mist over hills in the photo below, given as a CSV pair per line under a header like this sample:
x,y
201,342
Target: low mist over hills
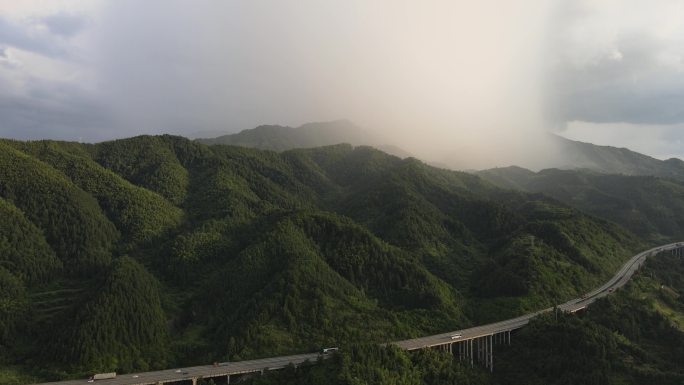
x,y
613,160
281,138
561,152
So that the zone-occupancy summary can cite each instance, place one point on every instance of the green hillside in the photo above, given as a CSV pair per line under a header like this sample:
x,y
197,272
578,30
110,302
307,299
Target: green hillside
x,y
123,326
281,138
649,206
633,337
71,220
613,160
567,154
139,214
159,251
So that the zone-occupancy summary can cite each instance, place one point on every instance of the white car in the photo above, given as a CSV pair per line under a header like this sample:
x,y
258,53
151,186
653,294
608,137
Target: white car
x,y
456,336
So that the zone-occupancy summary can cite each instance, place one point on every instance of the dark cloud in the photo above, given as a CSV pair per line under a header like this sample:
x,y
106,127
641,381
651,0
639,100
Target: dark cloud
x,y
613,73
443,66
56,111
64,24
22,36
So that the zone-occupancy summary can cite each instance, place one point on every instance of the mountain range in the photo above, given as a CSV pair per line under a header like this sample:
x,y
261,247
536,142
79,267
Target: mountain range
x,y
650,206
567,154
159,251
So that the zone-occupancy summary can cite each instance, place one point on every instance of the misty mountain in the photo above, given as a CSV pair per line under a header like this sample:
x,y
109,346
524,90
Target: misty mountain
x,y
569,154
158,251
281,138
647,205
612,160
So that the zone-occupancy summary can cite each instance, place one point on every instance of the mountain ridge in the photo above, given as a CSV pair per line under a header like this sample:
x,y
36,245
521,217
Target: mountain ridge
x,y
647,205
570,154
274,253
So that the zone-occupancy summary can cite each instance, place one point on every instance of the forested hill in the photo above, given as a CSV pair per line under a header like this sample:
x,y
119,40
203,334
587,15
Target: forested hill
x,y
613,160
569,154
281,138
154,252
650,206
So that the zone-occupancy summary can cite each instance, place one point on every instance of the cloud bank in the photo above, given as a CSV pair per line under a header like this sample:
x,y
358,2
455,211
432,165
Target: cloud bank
x,y
617,62
470,83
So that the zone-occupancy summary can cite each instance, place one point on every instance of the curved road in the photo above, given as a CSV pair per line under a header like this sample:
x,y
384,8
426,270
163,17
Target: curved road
x,y
255,366
618,280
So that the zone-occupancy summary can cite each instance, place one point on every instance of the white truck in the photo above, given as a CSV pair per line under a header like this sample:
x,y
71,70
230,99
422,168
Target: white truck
x,y
102,376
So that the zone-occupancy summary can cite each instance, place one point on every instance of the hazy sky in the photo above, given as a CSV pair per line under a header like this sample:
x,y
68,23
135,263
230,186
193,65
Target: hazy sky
x,y
473,81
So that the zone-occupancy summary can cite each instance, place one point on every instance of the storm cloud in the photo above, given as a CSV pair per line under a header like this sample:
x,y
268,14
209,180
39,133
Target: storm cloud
x,y
475,84
617,62
25,37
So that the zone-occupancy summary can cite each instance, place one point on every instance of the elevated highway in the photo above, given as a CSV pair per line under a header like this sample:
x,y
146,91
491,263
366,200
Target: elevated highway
x,y
471,345
477,344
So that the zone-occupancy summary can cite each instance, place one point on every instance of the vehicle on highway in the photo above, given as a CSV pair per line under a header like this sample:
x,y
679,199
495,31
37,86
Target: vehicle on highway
x,y
456,336
329,350
102,376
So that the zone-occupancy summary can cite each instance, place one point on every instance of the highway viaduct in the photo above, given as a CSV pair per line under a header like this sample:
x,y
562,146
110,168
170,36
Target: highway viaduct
x,y
473,345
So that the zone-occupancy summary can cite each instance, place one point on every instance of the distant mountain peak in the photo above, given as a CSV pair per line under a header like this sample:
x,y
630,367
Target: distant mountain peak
x,y
314,134
613,160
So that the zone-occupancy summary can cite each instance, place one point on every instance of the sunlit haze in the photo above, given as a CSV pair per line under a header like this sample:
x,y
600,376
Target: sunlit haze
x,y
462,83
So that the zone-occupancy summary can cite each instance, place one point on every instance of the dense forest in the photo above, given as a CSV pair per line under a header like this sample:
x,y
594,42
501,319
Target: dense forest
x,y
650,206
155,252
633,337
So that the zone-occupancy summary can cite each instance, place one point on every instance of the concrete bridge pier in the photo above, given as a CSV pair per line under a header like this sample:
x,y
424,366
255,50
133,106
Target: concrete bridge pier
x,y
484,355
483,351
480,350
487,352
491,353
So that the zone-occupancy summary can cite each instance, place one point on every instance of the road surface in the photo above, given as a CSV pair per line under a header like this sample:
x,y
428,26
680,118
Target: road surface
x,y
254,366
618,280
